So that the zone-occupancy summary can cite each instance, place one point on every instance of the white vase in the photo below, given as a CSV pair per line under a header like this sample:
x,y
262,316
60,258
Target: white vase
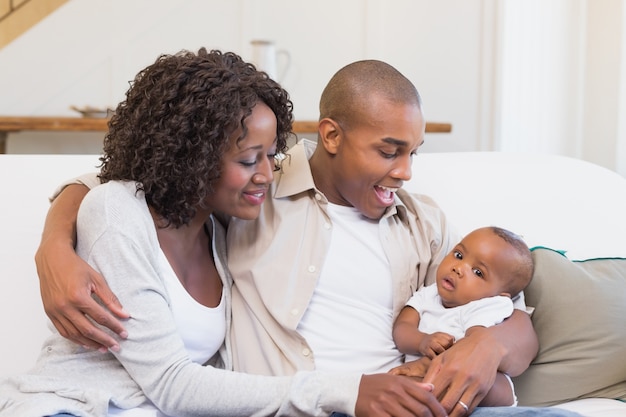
x,y
267,58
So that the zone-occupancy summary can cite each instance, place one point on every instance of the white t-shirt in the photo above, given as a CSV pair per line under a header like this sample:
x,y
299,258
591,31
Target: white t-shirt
x,y
434,317
349,319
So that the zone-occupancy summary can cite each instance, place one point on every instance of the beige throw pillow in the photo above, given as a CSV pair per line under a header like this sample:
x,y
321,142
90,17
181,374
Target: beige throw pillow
x,y
580,318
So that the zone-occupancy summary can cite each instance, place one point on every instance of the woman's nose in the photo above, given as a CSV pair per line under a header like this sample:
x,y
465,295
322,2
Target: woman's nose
x,y
265,173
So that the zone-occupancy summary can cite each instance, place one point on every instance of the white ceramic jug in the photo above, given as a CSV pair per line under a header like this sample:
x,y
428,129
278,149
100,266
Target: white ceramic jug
x,y
265,57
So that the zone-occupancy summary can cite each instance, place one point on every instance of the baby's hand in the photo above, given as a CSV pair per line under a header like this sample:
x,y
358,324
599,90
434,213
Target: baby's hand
x,y
434,344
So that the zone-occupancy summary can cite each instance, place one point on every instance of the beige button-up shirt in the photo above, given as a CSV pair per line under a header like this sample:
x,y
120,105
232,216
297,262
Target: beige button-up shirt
x,y
276,260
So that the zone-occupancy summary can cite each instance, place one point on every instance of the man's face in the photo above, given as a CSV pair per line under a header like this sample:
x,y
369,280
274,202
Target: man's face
x,y
374,156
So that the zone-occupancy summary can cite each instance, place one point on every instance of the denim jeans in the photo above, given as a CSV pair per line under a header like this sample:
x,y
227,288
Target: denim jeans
x,y
512,412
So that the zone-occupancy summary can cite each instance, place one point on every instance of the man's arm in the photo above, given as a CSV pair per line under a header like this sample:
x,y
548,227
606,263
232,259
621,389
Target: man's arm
x,y
468,369
500,394
67,282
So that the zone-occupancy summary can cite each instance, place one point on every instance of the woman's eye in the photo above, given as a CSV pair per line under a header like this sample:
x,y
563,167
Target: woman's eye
x,y
248,163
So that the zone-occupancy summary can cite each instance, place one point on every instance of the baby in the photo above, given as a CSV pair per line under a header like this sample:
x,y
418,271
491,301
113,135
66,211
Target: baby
x,y
476,283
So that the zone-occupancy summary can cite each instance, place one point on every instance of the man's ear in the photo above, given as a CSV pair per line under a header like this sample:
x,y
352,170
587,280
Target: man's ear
x,y
329,135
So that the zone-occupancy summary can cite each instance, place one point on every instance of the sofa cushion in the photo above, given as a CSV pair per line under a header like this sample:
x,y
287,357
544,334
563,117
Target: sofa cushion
x,y
580,314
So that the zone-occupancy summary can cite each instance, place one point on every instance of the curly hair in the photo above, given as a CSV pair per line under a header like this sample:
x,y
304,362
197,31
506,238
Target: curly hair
x,y
171,131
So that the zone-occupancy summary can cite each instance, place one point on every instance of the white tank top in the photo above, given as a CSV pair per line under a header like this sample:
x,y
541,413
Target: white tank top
x,y
202,329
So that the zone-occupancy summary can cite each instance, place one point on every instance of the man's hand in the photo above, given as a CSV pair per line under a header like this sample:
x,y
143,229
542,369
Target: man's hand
x,y
67,283
465,372
385,395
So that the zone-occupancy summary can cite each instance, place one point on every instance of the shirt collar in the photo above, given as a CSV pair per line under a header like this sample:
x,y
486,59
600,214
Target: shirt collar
x,y
295,175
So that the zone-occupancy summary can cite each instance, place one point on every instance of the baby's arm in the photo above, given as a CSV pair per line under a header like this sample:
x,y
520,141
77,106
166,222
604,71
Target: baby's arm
x,y
411,341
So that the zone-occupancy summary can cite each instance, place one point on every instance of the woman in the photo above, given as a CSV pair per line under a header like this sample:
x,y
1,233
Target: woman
x,y
196,135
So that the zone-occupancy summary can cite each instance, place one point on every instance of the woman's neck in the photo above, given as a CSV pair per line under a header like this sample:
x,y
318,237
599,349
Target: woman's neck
x,y
188,250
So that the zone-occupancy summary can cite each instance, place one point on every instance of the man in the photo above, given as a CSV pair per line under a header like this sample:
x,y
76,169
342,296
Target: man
x,y
360,247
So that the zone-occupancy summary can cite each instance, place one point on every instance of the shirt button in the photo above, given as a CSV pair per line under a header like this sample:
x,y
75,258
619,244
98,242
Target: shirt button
x,y
306,352
311,268
318,197
294,312
326,226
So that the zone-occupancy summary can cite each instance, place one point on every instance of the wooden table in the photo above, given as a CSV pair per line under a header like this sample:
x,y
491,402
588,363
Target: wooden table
x,y
10,124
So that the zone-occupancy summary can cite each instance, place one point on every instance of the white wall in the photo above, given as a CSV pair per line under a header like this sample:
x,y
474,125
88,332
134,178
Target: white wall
x,y
85,52
523,75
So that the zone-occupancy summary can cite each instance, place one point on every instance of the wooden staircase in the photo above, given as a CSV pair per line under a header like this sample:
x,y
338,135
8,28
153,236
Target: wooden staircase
x,y
17,16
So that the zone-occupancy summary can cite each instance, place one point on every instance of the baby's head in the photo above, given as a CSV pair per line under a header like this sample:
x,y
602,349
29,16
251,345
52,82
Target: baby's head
x,y
488,261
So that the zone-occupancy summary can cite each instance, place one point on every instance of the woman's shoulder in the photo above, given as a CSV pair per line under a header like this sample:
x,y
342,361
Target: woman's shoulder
x,y
113,193
115,202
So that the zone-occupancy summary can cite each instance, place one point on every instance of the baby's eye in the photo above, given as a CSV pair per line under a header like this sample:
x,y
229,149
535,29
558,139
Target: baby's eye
x,y
478,272
458,254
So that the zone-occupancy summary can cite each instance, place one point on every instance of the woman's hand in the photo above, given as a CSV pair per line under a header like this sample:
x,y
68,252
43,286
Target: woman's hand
x,y
390,395
416,369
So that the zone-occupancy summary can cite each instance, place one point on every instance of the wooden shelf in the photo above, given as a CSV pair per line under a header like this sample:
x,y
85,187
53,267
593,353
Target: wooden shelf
x,y
84,124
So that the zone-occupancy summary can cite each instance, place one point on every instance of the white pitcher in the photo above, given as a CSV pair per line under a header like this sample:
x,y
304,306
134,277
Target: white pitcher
x,y
265,57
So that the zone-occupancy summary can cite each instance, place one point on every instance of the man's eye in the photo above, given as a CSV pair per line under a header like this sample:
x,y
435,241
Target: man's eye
x,y
387,155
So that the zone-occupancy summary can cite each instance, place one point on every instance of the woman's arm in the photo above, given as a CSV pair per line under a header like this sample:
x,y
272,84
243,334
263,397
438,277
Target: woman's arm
x,y
67,283
468,369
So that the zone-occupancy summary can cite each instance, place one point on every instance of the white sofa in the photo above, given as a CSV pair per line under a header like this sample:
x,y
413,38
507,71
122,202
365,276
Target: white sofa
x,y
555,202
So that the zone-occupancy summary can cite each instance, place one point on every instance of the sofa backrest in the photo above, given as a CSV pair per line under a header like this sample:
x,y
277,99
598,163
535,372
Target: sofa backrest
x,y
553,201
26,182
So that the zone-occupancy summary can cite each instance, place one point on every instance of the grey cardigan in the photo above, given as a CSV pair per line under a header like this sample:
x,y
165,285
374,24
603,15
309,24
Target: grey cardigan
x,y
118,238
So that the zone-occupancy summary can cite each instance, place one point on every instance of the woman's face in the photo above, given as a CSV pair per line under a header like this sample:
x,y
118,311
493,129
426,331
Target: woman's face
x,y
247,167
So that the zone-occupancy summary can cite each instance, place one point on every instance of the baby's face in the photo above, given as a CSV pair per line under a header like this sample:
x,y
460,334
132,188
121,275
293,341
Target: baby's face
x,y
476,268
